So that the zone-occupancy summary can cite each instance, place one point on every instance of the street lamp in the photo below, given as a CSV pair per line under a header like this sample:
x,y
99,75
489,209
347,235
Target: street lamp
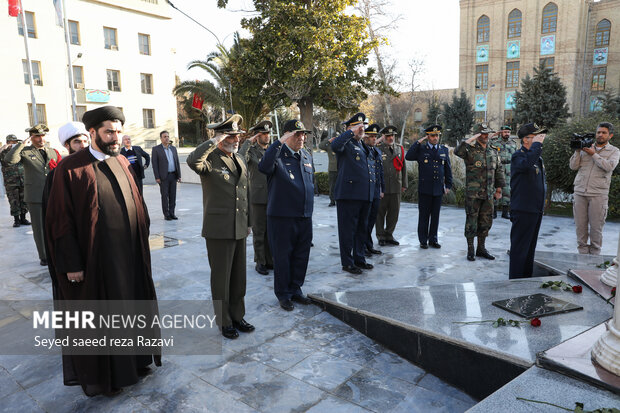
x,y
486,100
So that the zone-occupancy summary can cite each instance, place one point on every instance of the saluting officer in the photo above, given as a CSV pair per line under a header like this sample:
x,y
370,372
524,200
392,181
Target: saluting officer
x,y
253,150
288,168
14,183
527,204
355,190
370,139
395,176
435,180
332,167
225,193
507,147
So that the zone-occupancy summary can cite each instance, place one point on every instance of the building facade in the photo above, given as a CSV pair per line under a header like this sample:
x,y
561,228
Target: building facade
x,y
503,40
121,55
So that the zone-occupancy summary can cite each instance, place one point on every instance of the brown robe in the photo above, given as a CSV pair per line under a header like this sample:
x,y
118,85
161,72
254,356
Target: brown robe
x,y
96,221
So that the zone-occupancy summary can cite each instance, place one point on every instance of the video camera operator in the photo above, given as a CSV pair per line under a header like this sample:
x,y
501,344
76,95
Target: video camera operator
x,y
594,165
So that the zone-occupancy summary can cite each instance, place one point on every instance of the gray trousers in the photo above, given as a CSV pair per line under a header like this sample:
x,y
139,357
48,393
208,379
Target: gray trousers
x,y
387,216
258,219
38,227
590,213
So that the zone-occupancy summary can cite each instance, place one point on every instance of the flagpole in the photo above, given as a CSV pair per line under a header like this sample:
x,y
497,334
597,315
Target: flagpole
x,y
69,65
35,117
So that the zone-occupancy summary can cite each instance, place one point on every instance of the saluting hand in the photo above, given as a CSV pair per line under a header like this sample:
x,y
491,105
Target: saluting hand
x,y
539,138
284,138
378,141
422,139
473,138
28,142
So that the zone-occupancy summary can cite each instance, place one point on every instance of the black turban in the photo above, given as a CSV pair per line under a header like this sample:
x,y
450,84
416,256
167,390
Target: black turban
x,y
94,117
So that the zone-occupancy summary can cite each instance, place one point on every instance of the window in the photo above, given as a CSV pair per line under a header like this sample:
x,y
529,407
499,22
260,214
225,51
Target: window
x,y
41,117
512,74
32,31
483,29
479,117
548,62
74,32
114,80
482,77
550,18
146,83
36,72
109,35
509,118
603,28
148,116
514,24
80,111
417,115
144,43
78,77
598,78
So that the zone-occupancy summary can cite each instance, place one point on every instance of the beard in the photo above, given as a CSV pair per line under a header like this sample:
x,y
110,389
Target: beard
x,y
107,147
230,147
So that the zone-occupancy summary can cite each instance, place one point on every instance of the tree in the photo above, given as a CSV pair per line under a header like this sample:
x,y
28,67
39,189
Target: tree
x,y
611,104
542,99
434,114
459,118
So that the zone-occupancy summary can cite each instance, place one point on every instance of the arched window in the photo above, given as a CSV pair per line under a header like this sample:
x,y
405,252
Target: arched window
x,y
603,28
484,25
514,24
550,18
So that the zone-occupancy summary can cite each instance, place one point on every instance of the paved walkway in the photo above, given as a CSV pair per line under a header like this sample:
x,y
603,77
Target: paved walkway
x,y
300,361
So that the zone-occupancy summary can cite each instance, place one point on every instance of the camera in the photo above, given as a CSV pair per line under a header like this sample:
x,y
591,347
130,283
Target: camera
x,y
584,140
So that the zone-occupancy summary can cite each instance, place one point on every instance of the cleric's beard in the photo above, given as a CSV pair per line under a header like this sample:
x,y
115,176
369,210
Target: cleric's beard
x,y
106,148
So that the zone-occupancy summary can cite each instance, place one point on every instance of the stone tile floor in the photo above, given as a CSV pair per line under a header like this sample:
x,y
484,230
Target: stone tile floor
x,y
305,360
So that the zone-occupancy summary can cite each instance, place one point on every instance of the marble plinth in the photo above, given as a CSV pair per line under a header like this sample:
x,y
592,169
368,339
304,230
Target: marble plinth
x,y
592,279
561,262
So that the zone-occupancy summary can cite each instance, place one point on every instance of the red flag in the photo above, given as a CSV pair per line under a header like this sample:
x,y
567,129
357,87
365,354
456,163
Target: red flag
x,y
197,101
15,7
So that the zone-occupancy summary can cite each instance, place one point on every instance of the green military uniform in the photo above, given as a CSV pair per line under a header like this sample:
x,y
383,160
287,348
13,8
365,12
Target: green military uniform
x,y
484,173
36,164
395,180
332,168
225,194
14,183
506,148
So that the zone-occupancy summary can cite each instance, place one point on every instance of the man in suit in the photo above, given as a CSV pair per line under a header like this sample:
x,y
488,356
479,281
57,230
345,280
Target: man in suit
x,y
355,190
395,176
370,139
225,224
435,180
288,168
332,168
167,173
38,161
134,155
253,150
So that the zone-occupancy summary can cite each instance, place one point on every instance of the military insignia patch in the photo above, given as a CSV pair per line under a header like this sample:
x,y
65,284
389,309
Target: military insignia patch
x,y
478,164
426,161
234,126
298,125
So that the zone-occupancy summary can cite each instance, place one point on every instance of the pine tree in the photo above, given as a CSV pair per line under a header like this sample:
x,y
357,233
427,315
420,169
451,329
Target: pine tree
x,y
611,104
434,110
542,99
459,118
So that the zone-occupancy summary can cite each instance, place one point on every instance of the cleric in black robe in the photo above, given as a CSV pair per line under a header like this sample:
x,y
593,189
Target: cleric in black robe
x,y
97,229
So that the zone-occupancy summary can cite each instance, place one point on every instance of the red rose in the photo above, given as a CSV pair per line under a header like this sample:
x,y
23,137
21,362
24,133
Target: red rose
x,y
613,292
577,289
535,322
53,163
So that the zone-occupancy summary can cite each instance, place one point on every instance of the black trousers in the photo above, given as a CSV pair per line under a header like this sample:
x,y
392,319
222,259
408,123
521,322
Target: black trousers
x,y
290,239
332,176
372,220
352,227
428,210
523,238
168,191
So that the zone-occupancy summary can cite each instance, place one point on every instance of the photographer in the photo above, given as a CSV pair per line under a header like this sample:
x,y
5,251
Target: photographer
x,y
594,166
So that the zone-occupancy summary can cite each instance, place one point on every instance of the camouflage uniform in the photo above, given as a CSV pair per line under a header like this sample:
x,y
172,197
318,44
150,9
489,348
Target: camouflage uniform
x,y
506,148
14,183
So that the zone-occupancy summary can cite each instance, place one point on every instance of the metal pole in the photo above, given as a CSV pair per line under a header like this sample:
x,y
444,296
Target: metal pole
x,y
70,66
275,115
35,117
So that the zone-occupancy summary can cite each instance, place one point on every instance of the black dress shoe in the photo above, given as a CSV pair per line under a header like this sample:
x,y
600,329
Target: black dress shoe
x,y
484,254
470,257
301,299
424,246
374,251
168,218
243,326
287,305
174,217
332,204
435,245
230,332
382,243
16,224
261,269
23,220
352,269
364,265
367,254
43,262
392,242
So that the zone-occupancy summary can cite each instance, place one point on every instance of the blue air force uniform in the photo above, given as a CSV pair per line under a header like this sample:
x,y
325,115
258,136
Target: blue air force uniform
x,y
374,154
289,216
435,175
527,203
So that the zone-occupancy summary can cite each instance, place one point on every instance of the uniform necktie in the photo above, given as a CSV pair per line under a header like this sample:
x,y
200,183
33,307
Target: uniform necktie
x,y
297,156
43,154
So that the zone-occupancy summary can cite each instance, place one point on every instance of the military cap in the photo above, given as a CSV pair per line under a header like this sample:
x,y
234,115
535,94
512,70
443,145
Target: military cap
x,y
372,129
356,119
506,127
38,129
262,127
294,125
483,128
389,130
94,117
433,130
12,138
228,127
530,129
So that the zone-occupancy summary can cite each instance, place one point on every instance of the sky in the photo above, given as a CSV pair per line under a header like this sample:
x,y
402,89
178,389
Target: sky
x,y
427,30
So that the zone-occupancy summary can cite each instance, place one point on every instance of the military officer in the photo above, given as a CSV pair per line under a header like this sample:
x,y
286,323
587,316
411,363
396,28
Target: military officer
x,y
507,147
355,190
332,167
225,193
395,176
484,181
370,139
38,160
288,168
435,180
253,150
528,200
14,184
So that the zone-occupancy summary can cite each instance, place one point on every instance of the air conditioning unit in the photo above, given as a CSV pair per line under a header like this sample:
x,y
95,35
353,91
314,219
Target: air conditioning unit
x,y
79,85
113,47
38,82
